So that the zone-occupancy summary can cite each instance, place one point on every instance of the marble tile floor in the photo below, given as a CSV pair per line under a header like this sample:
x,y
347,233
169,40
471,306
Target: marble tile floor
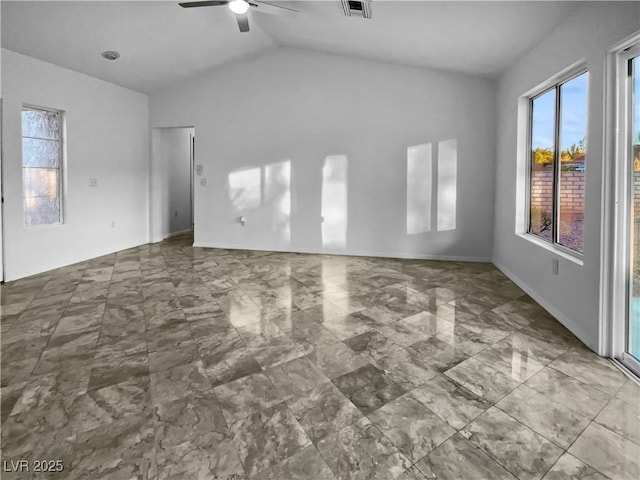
x,y
167,361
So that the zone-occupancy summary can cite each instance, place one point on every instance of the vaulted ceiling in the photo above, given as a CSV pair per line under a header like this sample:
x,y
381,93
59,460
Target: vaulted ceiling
x,y
161,43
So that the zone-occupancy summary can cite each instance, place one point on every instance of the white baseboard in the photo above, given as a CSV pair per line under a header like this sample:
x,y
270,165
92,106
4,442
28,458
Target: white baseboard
x,y
351,253
571,325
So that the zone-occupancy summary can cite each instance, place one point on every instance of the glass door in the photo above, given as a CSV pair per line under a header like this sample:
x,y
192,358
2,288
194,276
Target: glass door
x,y
631,354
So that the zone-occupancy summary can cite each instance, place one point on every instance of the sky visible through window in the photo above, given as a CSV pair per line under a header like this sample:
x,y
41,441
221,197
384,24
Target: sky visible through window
x,y
574,115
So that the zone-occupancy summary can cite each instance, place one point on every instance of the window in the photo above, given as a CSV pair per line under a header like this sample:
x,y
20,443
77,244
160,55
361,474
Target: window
x,y
41,166
557,136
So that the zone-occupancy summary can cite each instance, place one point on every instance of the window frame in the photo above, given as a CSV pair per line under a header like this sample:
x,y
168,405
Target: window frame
x,y
553,84
60,168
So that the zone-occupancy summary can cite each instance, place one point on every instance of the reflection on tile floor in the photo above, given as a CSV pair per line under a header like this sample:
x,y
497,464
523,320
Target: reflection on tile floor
x,y
167,361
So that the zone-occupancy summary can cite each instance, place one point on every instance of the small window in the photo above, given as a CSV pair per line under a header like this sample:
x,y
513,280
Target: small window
x,y
557,159
41,166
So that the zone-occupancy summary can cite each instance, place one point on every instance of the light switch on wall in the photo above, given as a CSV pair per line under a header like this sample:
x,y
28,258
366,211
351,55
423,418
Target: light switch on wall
x,y
203,182
198,169
93,182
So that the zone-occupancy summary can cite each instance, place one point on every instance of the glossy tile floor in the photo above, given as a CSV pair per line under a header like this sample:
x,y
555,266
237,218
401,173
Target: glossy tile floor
x,y
166,361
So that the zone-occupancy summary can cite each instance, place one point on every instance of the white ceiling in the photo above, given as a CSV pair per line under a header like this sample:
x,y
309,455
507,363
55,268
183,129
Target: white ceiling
x,y
161,43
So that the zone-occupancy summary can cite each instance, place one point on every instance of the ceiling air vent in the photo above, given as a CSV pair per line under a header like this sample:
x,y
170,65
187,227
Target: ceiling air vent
x,y
361,8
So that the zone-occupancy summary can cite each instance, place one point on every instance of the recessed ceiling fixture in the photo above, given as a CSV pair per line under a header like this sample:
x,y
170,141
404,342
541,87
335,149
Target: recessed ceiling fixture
x,y
110,55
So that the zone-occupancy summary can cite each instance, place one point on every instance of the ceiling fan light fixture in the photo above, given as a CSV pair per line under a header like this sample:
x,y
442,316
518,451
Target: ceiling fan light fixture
x,y
239,7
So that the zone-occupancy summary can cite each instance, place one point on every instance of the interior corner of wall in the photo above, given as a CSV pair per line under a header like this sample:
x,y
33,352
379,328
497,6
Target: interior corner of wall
x,y
571,324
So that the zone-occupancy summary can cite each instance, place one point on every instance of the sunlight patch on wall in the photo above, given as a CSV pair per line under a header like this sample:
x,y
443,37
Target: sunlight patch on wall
x,y
277,181
447,180
419,180
334,201
245,188
264,193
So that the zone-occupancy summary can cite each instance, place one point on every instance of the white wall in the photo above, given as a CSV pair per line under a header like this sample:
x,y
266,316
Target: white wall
x,y
170,182
573,295
265,127
106,138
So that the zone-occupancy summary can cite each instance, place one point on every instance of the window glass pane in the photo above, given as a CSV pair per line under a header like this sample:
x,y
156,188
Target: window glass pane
x,y
542,154
573,131
41,161
40,182
41,210
40,153
40,124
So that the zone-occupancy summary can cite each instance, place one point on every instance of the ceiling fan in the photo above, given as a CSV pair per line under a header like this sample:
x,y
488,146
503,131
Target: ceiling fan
x,y
241,7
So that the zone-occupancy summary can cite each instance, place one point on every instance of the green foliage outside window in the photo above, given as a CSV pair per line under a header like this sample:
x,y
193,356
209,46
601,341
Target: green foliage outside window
x,y
544,156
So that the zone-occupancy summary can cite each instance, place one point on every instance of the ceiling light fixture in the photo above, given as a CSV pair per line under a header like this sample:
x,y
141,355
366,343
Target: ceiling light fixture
x,y
110,55
239,6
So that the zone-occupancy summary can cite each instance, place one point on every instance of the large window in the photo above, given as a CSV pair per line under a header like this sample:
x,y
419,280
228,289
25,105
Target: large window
x,y
41,166
557,162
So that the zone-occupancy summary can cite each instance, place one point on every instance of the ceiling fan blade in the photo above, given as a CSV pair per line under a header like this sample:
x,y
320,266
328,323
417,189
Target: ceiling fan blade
x,y
206,3
272,8
243,22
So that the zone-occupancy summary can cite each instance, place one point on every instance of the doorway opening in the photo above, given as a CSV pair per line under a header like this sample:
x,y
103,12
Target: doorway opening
x,y
171,190
1,203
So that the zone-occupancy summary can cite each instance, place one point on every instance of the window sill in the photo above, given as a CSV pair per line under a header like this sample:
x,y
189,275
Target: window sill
x,y
30,228
556,250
